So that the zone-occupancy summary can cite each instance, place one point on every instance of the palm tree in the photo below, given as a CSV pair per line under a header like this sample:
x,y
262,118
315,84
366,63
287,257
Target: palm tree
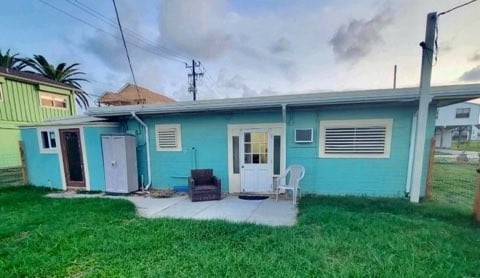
x,y
11,61
62,73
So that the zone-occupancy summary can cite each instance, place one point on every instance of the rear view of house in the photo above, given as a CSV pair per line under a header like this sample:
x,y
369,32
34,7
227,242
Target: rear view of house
x,y
355,143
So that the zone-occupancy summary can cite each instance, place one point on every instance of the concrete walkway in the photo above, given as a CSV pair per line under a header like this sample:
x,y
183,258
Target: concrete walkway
x,y
231,208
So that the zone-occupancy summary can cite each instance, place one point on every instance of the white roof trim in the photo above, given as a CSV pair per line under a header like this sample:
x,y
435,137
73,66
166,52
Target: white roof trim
x,y
320,98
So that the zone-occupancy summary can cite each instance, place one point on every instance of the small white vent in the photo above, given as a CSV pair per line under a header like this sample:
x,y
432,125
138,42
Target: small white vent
x,y
304,135
356,138
168,137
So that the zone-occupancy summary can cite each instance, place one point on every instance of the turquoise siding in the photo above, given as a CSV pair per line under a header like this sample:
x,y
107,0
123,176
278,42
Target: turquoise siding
x,y
207,133
42,169
93,146
352,176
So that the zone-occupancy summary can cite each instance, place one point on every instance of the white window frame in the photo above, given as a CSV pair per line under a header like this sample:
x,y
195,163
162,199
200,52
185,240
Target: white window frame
x,y
387,123
40,140
53,97
304,141
178,137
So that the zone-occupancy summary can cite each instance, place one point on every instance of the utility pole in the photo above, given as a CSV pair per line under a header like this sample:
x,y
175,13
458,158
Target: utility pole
x,y
192,78
423,107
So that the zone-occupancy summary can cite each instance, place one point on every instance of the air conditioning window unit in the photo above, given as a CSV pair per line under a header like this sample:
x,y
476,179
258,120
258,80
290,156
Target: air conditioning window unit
x,y
304,135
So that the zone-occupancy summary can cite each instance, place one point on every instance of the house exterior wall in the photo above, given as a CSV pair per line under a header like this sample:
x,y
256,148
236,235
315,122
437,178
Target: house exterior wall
x,y
43,169
207,134
446,115
352,176
204,144
46,169
20,104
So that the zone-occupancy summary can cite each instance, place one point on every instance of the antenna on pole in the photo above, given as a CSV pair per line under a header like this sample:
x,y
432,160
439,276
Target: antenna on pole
x,y
395,77
193,77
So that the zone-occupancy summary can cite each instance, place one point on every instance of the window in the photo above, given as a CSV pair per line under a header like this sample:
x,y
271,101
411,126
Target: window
x,y
236,154
304,135
355,138
168,137
48,141
53,100
462,113
276,154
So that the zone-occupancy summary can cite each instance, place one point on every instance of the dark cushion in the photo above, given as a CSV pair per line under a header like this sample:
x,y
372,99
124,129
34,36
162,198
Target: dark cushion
x,y
205,187
202,176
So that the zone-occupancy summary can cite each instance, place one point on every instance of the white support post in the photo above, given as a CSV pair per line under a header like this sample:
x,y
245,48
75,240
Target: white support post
x,y
424,101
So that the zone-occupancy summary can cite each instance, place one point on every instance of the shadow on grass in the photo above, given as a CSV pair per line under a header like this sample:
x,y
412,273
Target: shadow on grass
x,y
399,207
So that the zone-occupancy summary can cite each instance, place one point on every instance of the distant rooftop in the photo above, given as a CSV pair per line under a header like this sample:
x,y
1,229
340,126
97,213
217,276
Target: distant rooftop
x,y
32,77
129,95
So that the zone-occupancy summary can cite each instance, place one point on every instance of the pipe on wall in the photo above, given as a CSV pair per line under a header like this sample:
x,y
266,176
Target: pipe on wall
x,y
411,152
147,142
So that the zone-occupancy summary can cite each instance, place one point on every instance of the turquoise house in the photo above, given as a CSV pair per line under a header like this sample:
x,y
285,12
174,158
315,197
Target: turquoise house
x,y
350,143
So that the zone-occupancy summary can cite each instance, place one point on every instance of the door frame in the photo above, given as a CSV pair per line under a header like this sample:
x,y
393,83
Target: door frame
x,y
277,128
269,163
64,155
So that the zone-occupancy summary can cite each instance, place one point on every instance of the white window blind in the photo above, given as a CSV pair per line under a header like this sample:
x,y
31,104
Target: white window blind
x,y
355,138
168,137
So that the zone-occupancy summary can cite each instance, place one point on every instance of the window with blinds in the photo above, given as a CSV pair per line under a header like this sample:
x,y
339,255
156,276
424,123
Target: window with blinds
x,y
168,137
355,138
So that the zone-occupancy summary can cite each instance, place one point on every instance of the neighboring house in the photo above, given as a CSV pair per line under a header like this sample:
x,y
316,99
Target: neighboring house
x,y
460,121
129,95
28,98
356,142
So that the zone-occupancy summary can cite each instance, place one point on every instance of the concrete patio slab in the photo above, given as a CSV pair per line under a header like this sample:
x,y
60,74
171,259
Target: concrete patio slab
x,y
231,208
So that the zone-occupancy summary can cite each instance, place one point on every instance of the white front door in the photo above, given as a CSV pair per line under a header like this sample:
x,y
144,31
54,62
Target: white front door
x,y
256,160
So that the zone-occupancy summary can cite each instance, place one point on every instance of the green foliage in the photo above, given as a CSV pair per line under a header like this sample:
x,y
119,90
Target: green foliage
x,y
11,61
335,236
69,75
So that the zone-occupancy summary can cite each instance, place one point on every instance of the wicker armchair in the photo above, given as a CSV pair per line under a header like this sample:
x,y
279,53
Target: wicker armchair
x,y
204,186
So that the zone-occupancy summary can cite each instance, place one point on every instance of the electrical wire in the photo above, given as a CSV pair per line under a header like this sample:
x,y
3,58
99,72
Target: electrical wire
x,y
126,50
108,33
92,12
457,7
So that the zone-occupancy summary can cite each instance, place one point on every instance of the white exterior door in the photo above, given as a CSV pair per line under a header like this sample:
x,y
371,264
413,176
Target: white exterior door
x,y
256,153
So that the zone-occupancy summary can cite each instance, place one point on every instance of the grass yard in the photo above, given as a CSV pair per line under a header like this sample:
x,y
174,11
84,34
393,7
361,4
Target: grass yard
x,y
454,184
335,236
473,146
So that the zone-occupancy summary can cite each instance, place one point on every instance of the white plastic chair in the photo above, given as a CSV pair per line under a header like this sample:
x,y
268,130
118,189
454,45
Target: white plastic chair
x,y
294,174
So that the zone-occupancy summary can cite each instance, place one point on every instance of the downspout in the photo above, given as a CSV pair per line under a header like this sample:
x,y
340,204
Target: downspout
x,y
147,144
411,153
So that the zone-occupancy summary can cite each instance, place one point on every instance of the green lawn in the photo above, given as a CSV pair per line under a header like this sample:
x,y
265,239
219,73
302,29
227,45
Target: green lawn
x,y
335,236
454,184
473,146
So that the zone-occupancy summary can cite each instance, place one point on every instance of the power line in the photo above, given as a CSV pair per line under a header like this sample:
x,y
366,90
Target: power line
x,y
94,13
457,7
108,33
126,50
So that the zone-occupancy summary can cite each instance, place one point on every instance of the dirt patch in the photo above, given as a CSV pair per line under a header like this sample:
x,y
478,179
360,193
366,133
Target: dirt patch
x,y
159,193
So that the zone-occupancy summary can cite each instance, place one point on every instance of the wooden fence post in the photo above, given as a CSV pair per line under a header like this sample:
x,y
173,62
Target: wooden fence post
x,y
431,162
476,203
24,164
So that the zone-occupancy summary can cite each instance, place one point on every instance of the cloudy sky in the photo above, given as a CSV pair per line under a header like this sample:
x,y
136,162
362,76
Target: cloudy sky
x,y
247,48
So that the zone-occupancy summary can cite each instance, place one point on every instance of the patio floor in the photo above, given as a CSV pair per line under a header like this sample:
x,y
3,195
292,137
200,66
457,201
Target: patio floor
x,y
231,208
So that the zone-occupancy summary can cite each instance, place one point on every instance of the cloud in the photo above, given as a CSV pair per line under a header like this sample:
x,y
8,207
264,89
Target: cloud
x,y
356,39
475,57
280,45
195,27
471,75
